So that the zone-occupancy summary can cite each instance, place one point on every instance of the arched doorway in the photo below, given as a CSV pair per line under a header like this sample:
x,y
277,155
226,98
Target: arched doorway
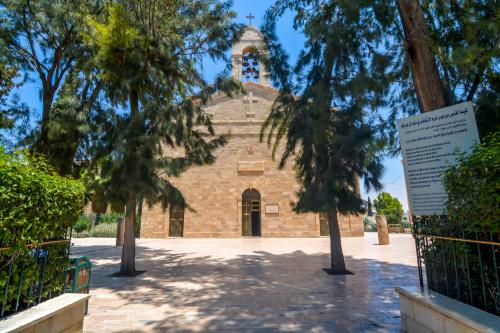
x,y
251,213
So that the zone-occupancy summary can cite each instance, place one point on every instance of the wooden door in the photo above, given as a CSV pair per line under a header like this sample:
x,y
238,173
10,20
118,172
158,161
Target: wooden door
x,y
324,230
176,222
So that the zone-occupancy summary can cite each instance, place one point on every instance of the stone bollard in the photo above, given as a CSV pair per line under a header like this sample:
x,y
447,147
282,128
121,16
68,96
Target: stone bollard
x,y
382,230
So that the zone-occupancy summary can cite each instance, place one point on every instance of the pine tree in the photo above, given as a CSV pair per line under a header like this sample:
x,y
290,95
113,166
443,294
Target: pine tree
x,y
44,37
320,109
148,54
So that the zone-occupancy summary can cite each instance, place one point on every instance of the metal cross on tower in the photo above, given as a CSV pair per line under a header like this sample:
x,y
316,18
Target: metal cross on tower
x,y
250,17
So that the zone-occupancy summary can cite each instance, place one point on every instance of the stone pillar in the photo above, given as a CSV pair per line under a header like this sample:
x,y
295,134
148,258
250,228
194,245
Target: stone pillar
x,y
382,230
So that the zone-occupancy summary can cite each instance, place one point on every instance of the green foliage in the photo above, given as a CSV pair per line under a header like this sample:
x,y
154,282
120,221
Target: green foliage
x,y
469,266
36,204
84,223
464,38
148,55
110,218
22,274
390,206
141,67
323,101
43,37
472,187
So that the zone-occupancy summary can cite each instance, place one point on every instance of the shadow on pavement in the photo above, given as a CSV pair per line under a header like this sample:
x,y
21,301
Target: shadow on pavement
x,y
186,292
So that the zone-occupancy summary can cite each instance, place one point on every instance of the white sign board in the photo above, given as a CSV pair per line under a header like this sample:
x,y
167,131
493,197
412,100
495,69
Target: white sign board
x,y
272,209
428,144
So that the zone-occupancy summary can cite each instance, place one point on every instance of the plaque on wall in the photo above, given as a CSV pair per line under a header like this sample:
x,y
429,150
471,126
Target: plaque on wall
x,y
250,167
273,209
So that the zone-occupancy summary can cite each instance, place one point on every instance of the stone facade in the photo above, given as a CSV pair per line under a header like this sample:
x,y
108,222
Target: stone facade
x,y
215,192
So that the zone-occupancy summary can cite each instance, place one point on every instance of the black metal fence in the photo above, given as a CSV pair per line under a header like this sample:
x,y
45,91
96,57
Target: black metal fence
x,y
459,263
32,274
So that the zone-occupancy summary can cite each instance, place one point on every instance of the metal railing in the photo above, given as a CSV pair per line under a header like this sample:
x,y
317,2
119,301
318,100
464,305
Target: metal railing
x,y
459,263
32,274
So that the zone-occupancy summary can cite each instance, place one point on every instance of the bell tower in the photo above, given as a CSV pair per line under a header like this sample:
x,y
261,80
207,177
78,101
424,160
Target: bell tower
x,y
246,67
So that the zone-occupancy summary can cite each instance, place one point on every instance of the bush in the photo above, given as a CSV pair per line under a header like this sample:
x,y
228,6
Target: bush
x,y
36,204
83,224
110,218
473,187
464,270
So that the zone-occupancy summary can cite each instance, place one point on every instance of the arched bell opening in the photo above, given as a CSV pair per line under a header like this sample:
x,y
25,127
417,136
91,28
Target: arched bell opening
x,y
250,67
251,213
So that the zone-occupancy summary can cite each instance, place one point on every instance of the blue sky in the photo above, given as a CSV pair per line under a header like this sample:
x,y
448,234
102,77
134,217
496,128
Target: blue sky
x,y
292,41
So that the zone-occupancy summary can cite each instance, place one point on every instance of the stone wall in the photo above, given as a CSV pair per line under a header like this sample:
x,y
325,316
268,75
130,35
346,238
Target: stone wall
x,y
62,314
424,311
214,192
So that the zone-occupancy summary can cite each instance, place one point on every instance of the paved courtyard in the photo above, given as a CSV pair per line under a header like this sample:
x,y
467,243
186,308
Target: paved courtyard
x,y
248,285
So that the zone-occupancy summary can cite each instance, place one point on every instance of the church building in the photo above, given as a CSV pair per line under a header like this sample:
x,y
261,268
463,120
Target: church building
x,y
243,193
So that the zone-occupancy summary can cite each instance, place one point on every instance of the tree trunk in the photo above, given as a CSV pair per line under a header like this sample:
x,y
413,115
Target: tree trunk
x,y
139,217
120,232
428,85
127,266
336,253
42,142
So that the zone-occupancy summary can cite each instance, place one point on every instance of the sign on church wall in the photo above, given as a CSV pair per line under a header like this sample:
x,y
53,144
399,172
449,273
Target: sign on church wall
x,y
272,209
428,144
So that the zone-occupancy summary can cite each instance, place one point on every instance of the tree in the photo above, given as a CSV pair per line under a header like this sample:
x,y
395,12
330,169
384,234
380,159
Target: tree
x,y
452,50
320,109
44,37
391,207
148,54
7,74
369,209
74,120
428,86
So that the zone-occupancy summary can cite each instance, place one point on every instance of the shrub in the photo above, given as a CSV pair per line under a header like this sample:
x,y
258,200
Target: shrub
x,y
36,204
83,224
473,187
110,218
464,270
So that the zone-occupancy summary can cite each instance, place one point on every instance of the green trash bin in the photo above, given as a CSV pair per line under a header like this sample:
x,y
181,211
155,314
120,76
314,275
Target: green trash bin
x,y
79,272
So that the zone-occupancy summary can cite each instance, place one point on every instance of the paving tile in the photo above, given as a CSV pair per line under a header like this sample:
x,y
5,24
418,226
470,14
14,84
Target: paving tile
x,y
248,285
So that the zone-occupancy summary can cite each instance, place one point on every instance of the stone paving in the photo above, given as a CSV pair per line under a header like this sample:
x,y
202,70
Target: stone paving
x,y
248,285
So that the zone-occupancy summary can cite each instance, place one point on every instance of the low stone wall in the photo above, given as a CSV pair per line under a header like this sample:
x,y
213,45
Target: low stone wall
x,y
63,314
424,311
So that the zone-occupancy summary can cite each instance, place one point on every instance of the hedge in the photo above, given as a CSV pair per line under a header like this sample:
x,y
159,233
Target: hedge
x,y
473,187
36,204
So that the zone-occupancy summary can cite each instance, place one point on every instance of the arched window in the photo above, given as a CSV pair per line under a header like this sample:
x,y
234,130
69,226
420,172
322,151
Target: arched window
x,y
250,65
